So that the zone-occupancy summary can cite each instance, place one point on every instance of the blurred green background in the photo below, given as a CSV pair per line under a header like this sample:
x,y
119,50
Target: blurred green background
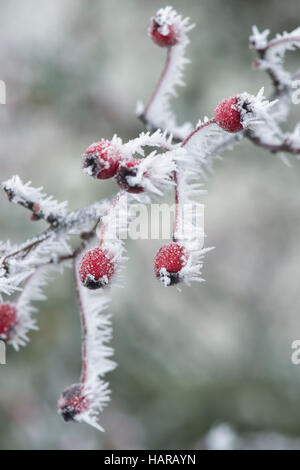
x,y
207,367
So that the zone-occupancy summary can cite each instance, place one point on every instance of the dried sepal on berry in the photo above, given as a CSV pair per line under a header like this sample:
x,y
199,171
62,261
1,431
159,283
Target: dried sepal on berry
x,y
101,159
152,173
72,402
126,175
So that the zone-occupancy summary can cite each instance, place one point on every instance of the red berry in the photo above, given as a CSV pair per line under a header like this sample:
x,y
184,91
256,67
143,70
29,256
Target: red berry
x,y
72,402
101,160
8,320
163,35
128,169
96,268
169,260
227,116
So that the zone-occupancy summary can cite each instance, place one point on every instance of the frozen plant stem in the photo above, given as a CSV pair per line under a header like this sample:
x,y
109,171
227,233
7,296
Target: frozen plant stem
x,y
152,98
182,158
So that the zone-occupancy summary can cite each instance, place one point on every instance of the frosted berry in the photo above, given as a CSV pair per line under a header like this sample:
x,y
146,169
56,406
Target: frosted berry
x,y
227,116
127,170
101,160
96,268
8,320
162,34
72,402
168,262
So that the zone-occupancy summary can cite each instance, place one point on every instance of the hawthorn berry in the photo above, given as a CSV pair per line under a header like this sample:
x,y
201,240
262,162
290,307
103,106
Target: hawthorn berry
x,y
168,262
72,402
228,116
8,320
162,34
96,268
127,170
101,160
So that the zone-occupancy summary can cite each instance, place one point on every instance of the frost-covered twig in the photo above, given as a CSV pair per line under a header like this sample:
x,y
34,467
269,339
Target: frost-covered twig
x,y
271,55
41,205
16,318
167,29
82,402
168,157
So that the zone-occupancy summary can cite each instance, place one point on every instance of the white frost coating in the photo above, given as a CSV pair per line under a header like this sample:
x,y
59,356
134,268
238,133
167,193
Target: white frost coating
x,y
190,231
155,172
11,283
22,193
32,291
262,120
146,139
205,144
113,231
159,113
259,40
293,138
98,362
256,110
112,148
274,52
203,147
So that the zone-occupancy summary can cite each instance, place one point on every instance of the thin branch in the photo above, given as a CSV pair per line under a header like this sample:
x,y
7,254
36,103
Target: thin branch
x,y
285,146
143,116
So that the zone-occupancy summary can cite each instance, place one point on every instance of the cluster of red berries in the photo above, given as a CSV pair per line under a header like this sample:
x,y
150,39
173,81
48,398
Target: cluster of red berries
x,y
8,320
97,266
102,160
72,402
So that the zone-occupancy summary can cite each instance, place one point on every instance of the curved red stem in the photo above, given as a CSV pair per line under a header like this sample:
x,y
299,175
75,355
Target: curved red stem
x,y
83,327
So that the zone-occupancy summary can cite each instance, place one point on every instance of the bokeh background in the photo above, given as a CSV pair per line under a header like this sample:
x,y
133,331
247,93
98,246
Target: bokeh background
x,y
208,367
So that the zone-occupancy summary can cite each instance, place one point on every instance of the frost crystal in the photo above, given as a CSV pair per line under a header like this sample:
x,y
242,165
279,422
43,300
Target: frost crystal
x,y
158,112
25,194
96,354
272,53
171,157
32,291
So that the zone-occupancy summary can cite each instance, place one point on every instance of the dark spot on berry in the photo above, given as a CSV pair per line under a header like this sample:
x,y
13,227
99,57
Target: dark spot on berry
x,y
68,413
174,278
122,179
93,284
91,162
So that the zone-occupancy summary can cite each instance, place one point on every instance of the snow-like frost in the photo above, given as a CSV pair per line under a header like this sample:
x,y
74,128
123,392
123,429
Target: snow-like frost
x,y
158,112
98,354
22,193
274,51
32,291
